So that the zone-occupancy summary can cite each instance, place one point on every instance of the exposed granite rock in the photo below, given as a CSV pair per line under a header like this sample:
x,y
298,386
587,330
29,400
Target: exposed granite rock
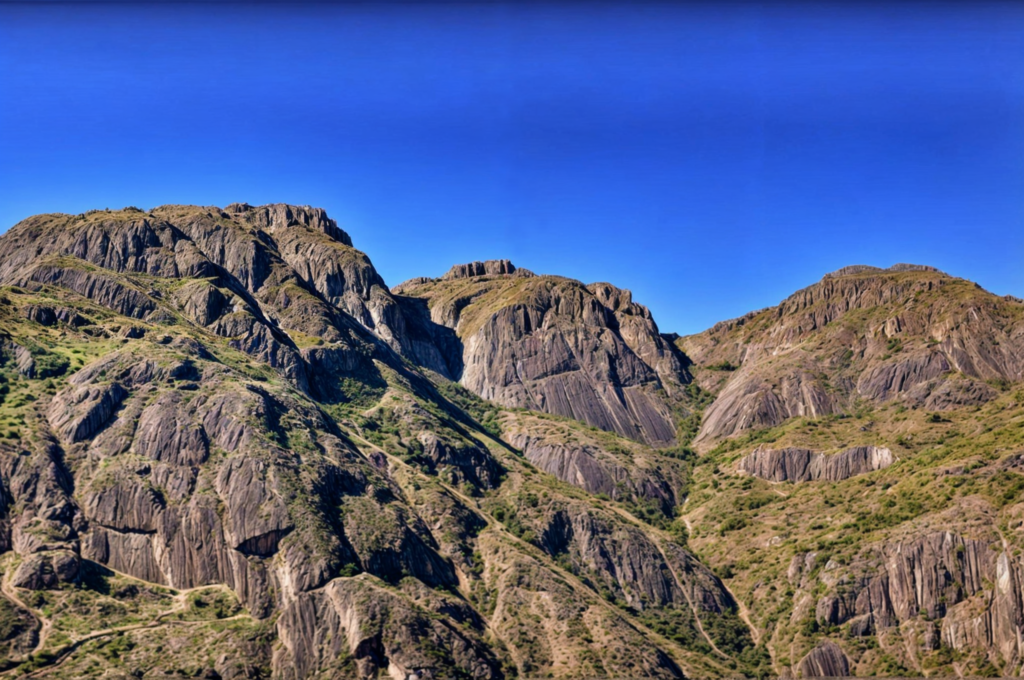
x,y
474,465
355,628
281,216
749,402
390,542
37,534
431,345
628,564
167,432
595,470
122,242
202,302
886,381
21,356
46,570
966,592
804,465
827,660
488,268
904,333
562,623
953,393
50,316
123,501
905,267
344,277
256,515
930,575
77,413
852,269
432,445
992,622
101,289
551,344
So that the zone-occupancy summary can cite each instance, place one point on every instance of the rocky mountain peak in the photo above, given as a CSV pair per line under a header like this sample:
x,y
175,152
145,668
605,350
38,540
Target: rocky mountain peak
x,y
488,268
275,216
866,269
553,344
226,414
909,333
223,416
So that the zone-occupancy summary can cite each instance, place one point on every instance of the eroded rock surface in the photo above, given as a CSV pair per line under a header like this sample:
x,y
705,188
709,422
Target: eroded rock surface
x,y
827,660
554,345
804,465
909,333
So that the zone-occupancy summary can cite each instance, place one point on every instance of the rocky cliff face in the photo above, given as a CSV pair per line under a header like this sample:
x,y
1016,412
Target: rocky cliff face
x,y
600,464
827,660
228,450
212,414
804,465
909,333
555,345
967,594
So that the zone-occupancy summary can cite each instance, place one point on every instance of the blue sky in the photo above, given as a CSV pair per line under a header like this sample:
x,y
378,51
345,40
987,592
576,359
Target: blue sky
x,y
711,158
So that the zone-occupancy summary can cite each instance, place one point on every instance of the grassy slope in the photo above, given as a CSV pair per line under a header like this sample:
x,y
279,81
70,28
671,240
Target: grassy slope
x,y
946,477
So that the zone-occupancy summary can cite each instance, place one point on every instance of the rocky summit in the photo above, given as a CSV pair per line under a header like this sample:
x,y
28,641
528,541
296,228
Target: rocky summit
x,y
229,450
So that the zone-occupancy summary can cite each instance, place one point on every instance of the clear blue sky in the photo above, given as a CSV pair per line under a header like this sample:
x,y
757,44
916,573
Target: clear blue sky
x,y
711,158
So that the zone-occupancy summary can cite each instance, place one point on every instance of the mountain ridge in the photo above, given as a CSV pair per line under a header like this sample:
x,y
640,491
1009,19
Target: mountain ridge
x,y
228,448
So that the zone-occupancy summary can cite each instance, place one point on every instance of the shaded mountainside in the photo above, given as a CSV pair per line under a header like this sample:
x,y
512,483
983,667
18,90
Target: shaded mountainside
x,y
228,449
555,345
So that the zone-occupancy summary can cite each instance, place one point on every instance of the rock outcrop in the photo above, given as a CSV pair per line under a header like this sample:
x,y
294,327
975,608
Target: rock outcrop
x,y
488,268
554,345
620,469
942,576
595,471
751,402
908,333
231,402
804,465
827,660
363,630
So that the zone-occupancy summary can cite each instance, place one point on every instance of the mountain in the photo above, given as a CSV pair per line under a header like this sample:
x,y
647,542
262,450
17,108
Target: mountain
x,y
862,477
909,334
229,450
555,345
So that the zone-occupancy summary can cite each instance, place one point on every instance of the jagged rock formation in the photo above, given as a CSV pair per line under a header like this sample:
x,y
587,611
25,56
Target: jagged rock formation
x,y
750,402
231,401
488,268
617,468
942,576
554,345
825,661
908,333
804,465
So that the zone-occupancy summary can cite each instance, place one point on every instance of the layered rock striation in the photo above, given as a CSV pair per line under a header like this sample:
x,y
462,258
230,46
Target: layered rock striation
x,y
555,345
232,401
909,333
804,465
